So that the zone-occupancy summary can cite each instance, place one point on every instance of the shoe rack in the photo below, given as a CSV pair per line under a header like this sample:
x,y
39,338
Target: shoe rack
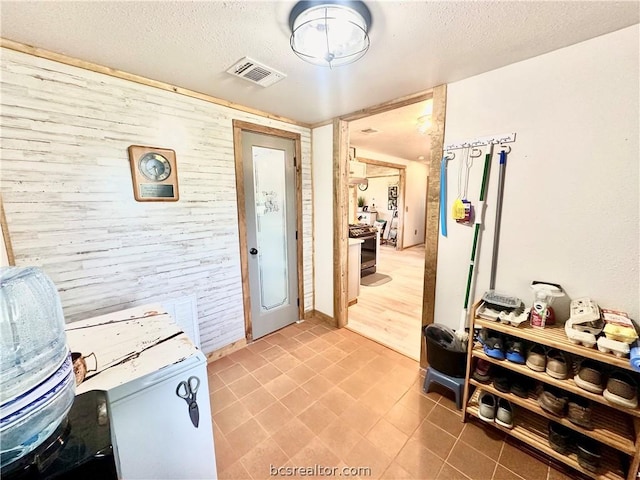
x,y
616,428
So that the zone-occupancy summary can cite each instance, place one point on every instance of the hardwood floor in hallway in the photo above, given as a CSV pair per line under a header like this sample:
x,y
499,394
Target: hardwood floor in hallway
x,y
390,314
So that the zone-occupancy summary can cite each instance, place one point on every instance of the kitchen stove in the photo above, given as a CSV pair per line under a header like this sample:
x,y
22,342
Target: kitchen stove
x,y
369,249
358,231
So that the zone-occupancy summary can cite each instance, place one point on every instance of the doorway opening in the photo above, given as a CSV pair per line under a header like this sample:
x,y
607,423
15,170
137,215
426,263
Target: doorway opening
x,y
342,131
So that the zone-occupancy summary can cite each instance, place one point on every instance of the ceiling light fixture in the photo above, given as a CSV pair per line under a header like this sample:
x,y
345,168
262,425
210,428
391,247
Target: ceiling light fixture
x,y
330,33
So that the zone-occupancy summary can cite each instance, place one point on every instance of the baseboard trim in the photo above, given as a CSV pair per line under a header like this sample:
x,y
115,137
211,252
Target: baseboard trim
x,y
226,350
320,316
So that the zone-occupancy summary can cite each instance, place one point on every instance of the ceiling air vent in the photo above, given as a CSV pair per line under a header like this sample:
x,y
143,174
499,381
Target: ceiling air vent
x,y
255,72
369,131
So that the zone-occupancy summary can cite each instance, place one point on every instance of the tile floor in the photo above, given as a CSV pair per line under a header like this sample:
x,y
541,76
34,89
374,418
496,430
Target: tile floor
x,y
312,395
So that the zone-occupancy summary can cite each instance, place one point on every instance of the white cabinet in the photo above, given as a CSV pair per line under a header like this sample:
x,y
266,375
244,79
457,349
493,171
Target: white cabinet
x,y
367,217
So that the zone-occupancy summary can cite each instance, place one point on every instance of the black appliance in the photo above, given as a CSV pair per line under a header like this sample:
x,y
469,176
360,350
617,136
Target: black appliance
x,y
79,449
369,248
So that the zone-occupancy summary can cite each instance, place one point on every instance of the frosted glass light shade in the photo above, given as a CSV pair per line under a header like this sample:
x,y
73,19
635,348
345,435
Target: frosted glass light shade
x,y
330,34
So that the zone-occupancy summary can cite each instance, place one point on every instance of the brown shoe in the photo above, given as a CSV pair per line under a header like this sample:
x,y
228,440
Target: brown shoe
x,y
557,364
579,412
621,390
552,402
536,359
589,376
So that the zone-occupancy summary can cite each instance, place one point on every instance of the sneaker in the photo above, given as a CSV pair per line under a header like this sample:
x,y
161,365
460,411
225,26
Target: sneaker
x,y
588,454
589,376
579,412
486,406
536,358
515,351
520,386
559,437
494,348
501,382
504,414
481,372
621,390
552,401
557,364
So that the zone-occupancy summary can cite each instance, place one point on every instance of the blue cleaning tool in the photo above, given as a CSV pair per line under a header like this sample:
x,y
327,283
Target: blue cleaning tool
x,y
443,196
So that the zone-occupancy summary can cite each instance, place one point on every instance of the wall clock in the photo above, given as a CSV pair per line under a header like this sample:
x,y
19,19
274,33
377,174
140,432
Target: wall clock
x,y
154,173
363,186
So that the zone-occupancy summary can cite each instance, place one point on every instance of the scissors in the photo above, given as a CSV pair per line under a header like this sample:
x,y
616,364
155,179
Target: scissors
x,y
187,390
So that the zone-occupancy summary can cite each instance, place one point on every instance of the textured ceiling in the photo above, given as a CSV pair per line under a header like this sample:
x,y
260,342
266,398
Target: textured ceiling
x,y
414,45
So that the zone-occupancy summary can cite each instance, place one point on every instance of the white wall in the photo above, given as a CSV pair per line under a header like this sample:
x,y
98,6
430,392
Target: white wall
x,y
415,196
68,197
379,190
322,152
570,213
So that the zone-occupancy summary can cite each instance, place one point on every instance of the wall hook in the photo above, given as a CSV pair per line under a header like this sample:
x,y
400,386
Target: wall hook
x,y
505,147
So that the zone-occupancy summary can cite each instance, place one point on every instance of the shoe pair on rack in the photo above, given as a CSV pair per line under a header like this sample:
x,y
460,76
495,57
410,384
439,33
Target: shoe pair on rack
x,y
575,408
621,388
492,408
562,439
500,346
553,362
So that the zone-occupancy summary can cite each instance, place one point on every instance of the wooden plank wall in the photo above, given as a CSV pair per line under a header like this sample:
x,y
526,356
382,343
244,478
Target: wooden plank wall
x,y
68,198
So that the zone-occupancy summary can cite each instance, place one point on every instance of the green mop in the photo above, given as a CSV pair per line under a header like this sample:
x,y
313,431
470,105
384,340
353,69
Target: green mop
x,y
476,235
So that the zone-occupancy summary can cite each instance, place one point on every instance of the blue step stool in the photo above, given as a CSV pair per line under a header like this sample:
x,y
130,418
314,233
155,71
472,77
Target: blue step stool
x,y
456,385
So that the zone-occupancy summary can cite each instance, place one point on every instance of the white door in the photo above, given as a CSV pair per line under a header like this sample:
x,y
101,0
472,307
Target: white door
x,y
270,202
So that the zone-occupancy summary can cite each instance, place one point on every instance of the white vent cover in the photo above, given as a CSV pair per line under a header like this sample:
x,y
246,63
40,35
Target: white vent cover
x,y
255,72
369,131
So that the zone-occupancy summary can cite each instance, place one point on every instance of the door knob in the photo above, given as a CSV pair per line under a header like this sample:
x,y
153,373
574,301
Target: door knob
x,y
253,251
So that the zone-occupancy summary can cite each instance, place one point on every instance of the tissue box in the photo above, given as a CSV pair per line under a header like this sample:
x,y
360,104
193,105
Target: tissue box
x,y
618,326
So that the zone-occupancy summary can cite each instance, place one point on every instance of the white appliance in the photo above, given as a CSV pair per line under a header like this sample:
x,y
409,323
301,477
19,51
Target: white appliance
x,y
142,357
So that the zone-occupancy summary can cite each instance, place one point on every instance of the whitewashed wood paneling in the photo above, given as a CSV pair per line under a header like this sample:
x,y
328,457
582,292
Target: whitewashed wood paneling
x,y
68,196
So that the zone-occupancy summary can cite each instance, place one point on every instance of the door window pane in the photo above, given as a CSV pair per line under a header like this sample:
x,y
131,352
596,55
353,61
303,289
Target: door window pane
x,y
271,226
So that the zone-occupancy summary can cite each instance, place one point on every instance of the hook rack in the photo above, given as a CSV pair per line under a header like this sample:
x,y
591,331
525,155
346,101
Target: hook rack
x,y
450,155
482,141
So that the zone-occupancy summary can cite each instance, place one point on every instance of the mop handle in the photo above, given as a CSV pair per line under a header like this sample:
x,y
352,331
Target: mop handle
x,y
496,233
443,197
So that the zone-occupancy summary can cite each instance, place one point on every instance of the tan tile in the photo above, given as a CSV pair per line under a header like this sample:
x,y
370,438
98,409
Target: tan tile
x,y
220,364
387,437
516,457
317,386
335,373
417,402
379,400
320,330
286,362
418,461
260,461
259,346
225,455
233,373
305,337
318,363
447,420
293,436
334,354
447,472
483,437
281,386
276,338
232,417
303,353
273,417
221,399
315,452
435,439
471,462
366,454
448,400
396,472
317,417
297,401
403,418
246,436
244,386
301,374
357,359
235,472
273,352
340,438
266,373
215,382
359,417
290,344
559,471
503,473
318,345
258,400
347,346
355,385
337,400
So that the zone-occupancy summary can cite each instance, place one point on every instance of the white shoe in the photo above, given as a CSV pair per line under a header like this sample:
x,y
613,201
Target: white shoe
x,y
486,406
504,414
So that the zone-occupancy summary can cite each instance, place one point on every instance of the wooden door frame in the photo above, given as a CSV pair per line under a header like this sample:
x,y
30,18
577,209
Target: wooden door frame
x,y
341,203
239,127
402,169
6,238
